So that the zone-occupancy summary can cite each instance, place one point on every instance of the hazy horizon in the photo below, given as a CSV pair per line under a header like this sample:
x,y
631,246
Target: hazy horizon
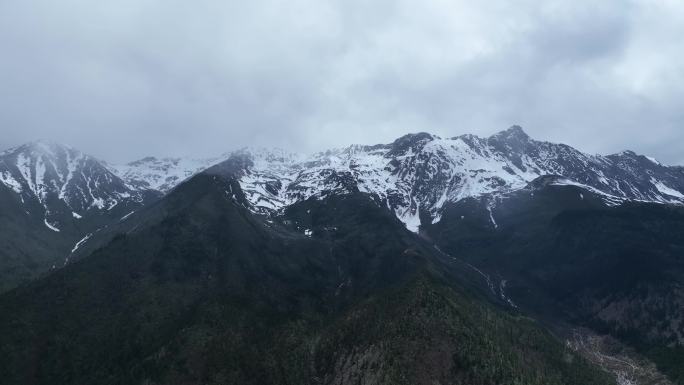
x,y
136,78
221,153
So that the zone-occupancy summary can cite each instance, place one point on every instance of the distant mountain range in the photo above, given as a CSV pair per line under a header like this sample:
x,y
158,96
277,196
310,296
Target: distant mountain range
x,y
462,260
419,173
416,174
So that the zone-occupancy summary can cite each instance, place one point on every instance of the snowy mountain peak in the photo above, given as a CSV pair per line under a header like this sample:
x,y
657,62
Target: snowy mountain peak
x,y
163,174
56,181
152,159
410,143
46,151
38,166
269,155
514,131
160,174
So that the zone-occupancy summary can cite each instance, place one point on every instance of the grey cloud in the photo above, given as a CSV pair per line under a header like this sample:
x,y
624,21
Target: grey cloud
x,y
130,78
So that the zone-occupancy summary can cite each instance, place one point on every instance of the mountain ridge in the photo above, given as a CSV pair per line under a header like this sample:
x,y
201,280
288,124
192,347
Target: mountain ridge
x,y
418,173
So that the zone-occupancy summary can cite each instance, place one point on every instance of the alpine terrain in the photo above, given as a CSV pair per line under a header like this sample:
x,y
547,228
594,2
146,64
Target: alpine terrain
x,y
53,197
416,175
428,260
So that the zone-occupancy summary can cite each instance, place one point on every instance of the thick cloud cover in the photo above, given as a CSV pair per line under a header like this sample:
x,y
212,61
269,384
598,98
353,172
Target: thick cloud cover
x,y
128,78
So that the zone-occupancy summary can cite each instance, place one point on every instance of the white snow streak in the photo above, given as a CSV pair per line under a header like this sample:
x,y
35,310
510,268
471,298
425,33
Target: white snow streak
x,y
49,226
81,242
667,190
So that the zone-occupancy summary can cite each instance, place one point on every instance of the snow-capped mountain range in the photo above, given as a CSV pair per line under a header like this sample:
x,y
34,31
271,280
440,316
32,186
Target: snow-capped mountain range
x,y
415,176
161,174
418,174
61,185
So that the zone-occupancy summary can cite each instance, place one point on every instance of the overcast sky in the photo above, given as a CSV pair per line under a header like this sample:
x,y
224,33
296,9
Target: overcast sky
x,y
127,78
